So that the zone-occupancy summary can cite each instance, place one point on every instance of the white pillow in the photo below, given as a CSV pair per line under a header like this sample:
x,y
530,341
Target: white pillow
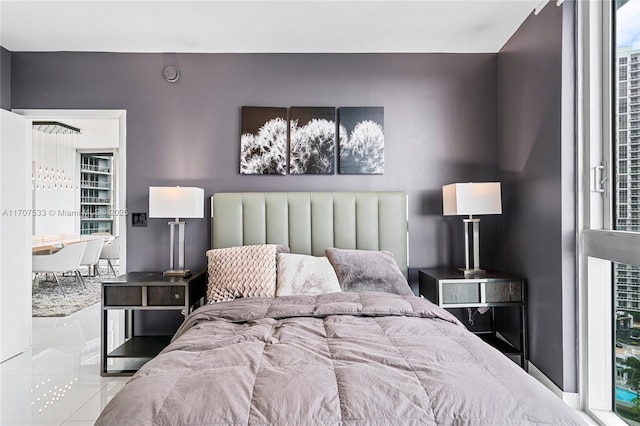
x,y
299,274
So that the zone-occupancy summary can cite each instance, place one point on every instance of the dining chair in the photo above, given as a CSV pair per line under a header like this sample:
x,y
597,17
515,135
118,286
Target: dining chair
x,y
110,252
107,236
67,259
91,256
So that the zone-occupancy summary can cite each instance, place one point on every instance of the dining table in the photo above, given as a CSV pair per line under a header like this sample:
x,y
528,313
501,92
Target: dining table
x,y
49,244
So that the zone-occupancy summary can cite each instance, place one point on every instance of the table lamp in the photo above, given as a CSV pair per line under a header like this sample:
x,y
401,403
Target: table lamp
x,y
176,202
461,199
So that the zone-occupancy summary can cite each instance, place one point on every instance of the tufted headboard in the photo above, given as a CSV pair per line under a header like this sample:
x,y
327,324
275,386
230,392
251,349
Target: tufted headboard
x,y
309,222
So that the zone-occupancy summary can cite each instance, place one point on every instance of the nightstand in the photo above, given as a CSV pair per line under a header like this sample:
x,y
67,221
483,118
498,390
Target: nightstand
x,y
142,291
504,295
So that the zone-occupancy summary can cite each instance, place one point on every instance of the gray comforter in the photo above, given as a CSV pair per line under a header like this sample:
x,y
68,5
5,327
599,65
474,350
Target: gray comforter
x,y
333,359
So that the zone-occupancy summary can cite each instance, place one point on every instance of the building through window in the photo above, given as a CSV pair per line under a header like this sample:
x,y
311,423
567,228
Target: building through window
x,y
96,193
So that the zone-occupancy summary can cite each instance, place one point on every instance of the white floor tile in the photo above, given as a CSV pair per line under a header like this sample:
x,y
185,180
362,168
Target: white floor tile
x,y
8,383
92,409
57,380
51,397
34,361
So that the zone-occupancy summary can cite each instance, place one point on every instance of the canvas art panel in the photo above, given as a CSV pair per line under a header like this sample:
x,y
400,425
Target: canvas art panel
x,y
312,143
263,141
361,140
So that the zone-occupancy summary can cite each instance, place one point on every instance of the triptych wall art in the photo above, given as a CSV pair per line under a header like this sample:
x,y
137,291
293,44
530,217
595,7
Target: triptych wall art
x,y
302,140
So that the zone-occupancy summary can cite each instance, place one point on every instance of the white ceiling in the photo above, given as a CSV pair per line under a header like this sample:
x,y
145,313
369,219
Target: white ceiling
x,y
460,26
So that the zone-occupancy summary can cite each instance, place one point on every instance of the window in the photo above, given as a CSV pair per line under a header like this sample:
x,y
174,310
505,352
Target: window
x,y
96,193
622,213
625,43
622,167
622,139
609,261
627,337
622,183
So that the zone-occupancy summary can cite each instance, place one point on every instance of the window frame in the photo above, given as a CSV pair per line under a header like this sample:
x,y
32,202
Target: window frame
x,y
600,244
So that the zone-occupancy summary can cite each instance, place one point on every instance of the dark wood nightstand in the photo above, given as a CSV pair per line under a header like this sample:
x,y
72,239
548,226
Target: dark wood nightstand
x,y
143,291
496,291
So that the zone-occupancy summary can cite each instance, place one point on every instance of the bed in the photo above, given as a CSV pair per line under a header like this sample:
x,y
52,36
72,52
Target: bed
x,y
366,353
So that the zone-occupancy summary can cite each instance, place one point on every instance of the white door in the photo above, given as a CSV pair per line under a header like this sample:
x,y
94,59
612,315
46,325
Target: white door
x,y
15,235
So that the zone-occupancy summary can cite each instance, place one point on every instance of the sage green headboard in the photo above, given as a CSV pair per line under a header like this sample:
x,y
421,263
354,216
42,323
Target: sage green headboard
x,y
309,222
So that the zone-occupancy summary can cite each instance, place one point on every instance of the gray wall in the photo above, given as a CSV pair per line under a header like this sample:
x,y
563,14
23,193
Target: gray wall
x,y
440,127
448,118
5,78
536,145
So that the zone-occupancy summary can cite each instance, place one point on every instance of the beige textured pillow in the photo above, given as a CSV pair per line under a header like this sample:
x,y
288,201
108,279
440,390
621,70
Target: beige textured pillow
x,y
300,274
247,271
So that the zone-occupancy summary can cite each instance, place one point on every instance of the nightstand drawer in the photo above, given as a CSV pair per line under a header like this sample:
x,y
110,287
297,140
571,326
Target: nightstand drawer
x,y
123,296
448,290
481,292
165,296
503,291
460,293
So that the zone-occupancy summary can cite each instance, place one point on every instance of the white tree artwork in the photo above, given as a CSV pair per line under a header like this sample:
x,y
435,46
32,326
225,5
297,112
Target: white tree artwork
x,y
312,140
361,134
263,141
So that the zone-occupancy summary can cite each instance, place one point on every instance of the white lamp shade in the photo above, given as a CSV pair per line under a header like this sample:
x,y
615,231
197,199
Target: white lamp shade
x,y
471,199
176,201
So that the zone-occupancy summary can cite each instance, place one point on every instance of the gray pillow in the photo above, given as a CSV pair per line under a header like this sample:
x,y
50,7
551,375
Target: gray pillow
x,y
365,270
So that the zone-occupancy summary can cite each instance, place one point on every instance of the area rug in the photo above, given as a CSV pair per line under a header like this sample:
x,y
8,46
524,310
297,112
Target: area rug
x,y
48,301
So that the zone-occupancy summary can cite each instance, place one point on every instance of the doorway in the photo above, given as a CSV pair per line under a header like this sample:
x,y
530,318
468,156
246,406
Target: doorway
x,y
101,132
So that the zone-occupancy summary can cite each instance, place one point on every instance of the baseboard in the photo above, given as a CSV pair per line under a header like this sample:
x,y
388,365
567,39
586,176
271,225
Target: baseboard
x,y
570,398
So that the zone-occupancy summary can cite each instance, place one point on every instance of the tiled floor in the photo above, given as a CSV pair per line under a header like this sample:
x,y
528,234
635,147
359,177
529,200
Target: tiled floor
x,y
57,381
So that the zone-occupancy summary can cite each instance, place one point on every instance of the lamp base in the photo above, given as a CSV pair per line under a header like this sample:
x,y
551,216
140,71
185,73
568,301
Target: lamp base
x,y
472,272
177,273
